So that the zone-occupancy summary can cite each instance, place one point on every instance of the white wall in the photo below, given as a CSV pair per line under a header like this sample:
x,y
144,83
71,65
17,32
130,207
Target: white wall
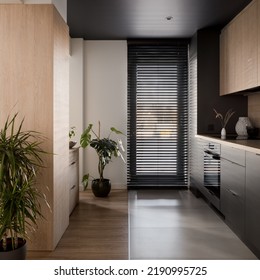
x,y
61,6
77,93
106,100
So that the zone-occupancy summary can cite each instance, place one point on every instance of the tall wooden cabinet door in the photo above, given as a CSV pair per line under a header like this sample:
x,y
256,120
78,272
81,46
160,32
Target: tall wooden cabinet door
x,y
238,52
252,204
60,62
233,49
248,28
230,58
258,43
34,81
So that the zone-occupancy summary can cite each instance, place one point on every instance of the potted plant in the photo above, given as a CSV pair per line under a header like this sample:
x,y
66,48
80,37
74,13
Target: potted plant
x,y
105,148
224,120
20,160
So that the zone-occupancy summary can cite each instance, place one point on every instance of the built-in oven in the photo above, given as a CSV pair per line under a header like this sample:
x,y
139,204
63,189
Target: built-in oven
x,y
212,171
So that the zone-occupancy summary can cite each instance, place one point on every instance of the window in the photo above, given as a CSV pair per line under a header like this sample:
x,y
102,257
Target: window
x,y
157,114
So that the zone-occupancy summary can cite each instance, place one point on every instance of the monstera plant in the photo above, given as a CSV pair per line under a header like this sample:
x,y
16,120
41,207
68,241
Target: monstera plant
x,y
105,148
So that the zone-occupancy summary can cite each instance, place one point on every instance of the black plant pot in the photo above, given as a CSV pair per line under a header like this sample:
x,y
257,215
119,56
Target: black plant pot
x,y
17,254
101,188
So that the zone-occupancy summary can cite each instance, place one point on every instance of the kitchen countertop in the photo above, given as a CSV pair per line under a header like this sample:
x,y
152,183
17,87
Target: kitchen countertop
x,y
250,145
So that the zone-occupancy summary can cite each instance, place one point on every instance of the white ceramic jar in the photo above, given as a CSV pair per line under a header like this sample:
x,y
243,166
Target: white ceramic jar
x,y
241,125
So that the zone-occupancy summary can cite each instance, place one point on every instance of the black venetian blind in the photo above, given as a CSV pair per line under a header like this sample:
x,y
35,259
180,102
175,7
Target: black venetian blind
x,y
158,114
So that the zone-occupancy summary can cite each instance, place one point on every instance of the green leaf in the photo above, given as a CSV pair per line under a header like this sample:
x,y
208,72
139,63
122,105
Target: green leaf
x,y
85,180
86,136
113,129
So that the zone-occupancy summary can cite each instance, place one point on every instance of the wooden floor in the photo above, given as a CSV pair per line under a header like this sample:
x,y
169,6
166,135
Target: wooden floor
x,y
146,224
98,230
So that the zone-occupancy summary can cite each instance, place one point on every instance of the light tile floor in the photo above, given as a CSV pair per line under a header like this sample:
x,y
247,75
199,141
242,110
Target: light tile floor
x,y
176,225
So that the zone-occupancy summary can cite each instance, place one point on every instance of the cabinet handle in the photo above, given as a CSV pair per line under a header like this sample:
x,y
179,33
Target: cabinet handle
x,y
257,154
211,192
235,163
233,193
73,187
73,162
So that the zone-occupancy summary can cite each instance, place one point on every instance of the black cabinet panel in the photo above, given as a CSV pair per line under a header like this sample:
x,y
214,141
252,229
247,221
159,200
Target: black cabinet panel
x,y
196,164
252,204
233,179
233,210
233,195
233,154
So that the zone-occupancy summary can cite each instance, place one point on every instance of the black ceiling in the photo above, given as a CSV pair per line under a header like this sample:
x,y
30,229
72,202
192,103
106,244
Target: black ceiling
x,y
128,19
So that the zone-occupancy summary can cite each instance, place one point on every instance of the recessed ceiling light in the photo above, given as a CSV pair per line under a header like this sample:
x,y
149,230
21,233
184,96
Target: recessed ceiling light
x,y
169,18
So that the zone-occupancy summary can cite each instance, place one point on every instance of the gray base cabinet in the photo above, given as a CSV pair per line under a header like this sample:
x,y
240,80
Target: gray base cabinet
x,y
252,202
196,164
232,194
239,190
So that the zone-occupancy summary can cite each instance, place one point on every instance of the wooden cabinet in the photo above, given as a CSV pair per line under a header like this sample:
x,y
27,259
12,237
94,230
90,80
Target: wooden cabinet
x,y
232,195
34,77
204,86
239,52
252,202
74,178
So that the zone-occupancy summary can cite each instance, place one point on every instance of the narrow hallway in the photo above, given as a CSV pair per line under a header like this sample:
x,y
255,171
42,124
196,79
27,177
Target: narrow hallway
x,y
176,225
145,225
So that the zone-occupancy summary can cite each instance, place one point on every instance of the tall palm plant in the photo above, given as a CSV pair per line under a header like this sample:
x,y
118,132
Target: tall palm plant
x,y
20,160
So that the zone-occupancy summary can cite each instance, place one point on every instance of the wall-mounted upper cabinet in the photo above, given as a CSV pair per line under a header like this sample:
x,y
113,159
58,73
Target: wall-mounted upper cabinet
x,y
240,52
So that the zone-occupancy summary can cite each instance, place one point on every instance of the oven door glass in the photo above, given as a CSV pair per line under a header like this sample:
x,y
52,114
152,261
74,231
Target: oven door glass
x,y
212,173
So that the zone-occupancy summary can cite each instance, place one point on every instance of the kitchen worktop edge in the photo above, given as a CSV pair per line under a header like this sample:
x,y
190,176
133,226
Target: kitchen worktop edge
x,y
250,145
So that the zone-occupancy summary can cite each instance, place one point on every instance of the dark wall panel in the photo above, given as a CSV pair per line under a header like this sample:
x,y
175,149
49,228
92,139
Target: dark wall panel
x,y
207,46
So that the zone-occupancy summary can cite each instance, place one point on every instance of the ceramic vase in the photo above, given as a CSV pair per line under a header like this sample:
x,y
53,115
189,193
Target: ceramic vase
x,y
241,125
223,133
